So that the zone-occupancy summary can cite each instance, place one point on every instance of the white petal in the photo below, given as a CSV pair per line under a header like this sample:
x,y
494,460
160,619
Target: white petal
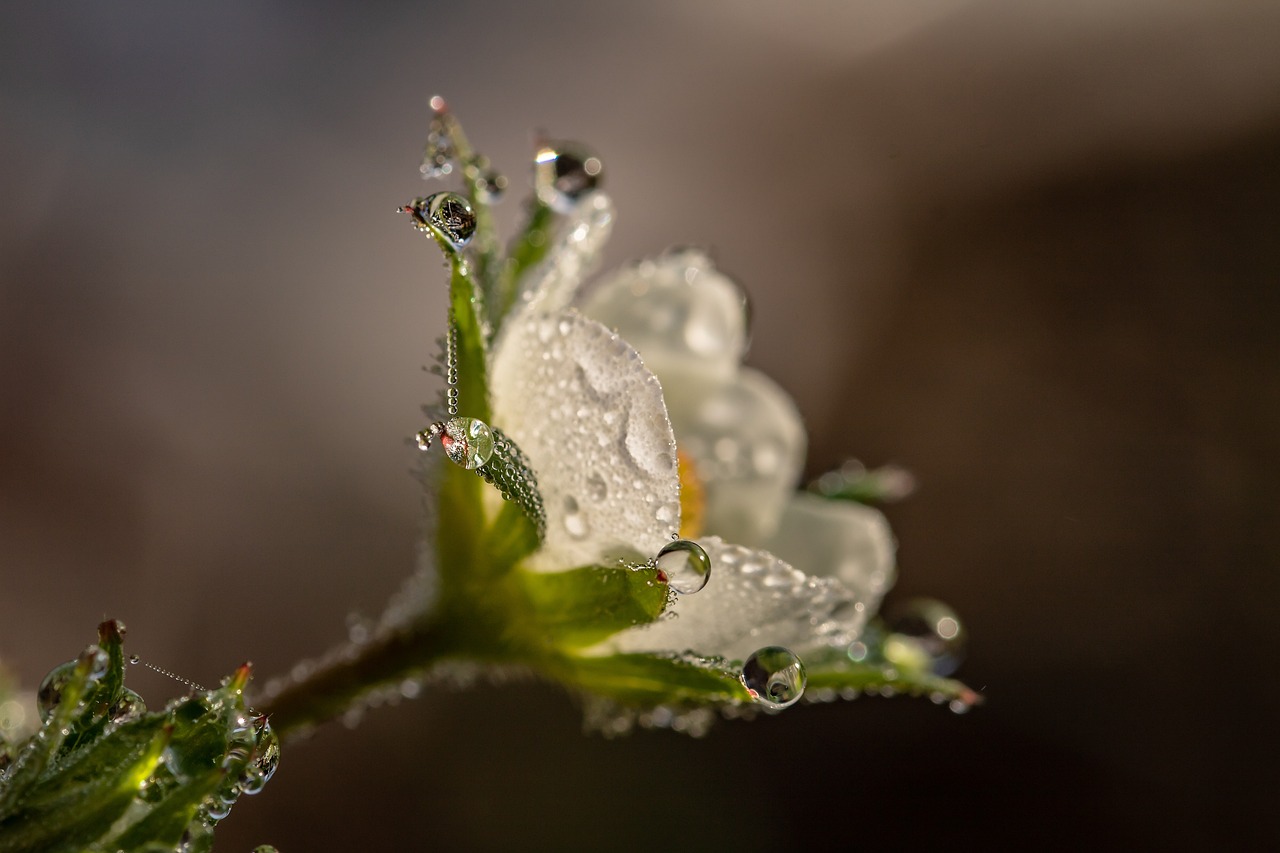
x,y
590,418
839,539
752,600
678,311
747,444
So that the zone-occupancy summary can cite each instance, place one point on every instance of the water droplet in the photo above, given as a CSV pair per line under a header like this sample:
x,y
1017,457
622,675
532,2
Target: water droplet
x,y
686,565
564,172
134,659
128,707
466,441
774,676
265,761
927,634
215,809
575,523
490,186
50,692
596,487
448,213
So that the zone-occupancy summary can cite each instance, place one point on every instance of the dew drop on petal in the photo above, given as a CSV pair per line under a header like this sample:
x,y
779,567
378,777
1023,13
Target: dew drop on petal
x,y
563,173
927,634
685,564
774,676
597,488
575,521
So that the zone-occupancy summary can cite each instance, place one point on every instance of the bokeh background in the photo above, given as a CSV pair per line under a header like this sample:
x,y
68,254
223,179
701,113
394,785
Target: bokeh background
x,y
1028,250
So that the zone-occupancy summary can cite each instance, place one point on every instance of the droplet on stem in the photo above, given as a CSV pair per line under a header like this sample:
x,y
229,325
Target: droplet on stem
x,y
466,441
774,677
564,172
448,213
685,565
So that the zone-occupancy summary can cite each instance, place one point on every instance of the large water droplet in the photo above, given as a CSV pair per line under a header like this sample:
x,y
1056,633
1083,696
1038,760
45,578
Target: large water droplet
x,y
467,442
448,213
774,676
927,634
128,707
564,172
686,565
49,694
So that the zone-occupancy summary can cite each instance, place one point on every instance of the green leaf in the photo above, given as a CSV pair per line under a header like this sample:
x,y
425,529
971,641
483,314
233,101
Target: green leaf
x,y
583,606
834,671
650,680
105,775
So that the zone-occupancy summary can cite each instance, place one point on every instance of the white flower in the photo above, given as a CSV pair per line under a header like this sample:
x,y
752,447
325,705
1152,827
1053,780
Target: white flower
x,y
586,405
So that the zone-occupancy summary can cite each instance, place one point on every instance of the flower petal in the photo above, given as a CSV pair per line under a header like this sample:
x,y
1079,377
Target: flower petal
x,y
590,418
678,311
839,539
747,445
752,600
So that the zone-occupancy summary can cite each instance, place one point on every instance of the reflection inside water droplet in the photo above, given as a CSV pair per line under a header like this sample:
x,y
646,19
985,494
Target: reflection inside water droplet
x,y
448,213
774,676
685,564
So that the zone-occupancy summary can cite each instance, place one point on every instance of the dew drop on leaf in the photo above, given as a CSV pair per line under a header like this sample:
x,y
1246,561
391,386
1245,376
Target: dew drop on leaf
x,y
774,677
686,565
927,634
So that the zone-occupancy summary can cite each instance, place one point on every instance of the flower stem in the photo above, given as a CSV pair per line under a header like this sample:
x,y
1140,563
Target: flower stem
x,y
335,687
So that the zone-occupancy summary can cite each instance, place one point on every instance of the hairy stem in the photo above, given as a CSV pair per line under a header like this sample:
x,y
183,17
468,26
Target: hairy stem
x,y
335,687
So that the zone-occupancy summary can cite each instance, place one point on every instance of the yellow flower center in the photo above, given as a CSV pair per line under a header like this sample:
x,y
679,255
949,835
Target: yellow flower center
x,y
693,497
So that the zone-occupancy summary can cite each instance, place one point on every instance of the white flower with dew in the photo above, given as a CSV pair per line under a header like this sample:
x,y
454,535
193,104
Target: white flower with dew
x,y
600,387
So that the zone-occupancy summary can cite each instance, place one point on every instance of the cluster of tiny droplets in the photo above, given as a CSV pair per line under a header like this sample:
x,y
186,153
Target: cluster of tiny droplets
x,y
509,472
451,365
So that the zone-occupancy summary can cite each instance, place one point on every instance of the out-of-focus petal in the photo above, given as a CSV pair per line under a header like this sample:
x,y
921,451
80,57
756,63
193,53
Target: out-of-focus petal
x,y
590,418
747,444
753,599
839,539
680,313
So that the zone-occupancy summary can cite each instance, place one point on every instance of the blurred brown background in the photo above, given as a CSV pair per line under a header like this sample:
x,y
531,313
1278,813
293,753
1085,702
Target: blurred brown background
x,y
1028,250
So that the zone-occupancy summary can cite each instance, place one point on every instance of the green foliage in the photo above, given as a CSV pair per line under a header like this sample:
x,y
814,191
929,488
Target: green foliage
x,y
583,606
104,774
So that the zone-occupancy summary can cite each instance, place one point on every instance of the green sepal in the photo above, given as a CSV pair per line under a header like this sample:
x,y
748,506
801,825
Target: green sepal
x,y
583,606
647,680
524,253
835,671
